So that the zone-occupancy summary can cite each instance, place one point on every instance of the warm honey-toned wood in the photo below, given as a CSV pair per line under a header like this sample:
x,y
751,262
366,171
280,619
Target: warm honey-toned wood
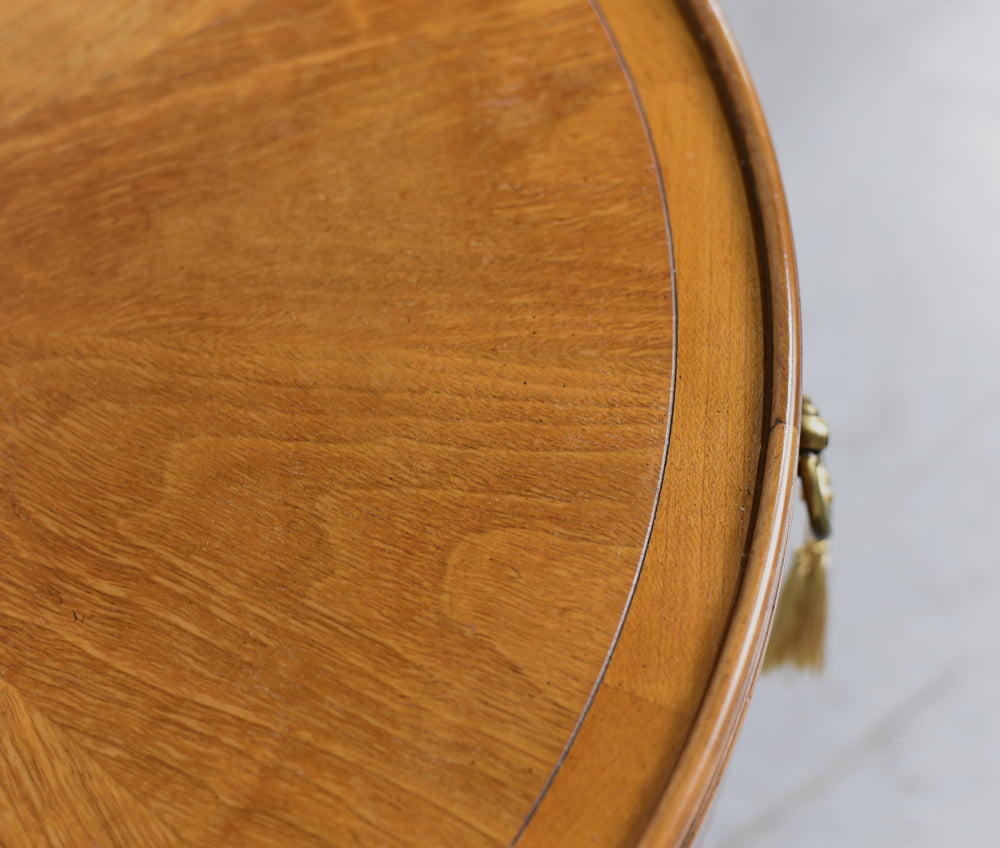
x,y
692,782
660,727
338,363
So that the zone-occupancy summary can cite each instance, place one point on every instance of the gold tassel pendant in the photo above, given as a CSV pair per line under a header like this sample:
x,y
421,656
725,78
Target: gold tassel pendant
x,y
797,637
798,634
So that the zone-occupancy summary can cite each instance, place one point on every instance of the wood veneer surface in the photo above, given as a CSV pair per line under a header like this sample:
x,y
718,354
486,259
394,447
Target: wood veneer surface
x,y
659,730
337,361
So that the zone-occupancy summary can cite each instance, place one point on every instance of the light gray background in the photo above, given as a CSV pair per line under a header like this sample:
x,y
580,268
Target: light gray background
x,y
886,120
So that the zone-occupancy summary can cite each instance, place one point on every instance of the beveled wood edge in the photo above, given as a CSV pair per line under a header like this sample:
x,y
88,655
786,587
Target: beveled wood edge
x,y
693,782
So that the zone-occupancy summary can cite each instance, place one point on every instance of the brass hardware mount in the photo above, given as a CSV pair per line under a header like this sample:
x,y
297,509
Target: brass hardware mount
x,y
816,490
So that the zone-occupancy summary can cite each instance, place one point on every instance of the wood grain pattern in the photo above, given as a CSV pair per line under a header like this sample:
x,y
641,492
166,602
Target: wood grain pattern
x,y
692,783
53,792
638,733
336,369
336,361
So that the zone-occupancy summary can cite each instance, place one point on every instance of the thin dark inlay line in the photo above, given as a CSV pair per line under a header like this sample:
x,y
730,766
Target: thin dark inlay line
x,y
666,442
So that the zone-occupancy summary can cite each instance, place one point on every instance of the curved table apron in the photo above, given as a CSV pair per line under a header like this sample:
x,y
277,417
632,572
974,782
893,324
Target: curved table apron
x,y
398,413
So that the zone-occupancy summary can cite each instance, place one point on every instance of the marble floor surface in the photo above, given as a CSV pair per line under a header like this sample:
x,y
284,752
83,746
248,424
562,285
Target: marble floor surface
x,y
885,116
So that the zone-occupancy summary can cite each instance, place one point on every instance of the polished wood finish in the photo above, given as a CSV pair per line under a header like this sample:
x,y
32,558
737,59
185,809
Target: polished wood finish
x,y
661,725
375,470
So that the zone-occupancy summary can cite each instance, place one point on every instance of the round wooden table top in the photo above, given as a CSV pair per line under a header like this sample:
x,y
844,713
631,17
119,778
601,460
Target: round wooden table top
x,y
399,406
